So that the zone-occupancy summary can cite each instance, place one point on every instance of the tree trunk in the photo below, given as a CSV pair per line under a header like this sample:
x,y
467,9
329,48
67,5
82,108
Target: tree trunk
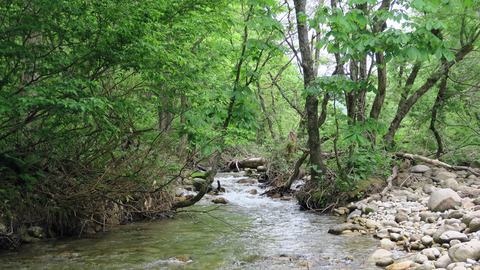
x,y
438,103
404,107
316,159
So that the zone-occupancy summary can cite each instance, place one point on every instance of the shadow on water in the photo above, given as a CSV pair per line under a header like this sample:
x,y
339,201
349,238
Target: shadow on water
x,y
251,232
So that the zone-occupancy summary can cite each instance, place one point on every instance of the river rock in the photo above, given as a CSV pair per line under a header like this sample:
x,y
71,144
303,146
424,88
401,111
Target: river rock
x,y
339,228
36,231
446,175
464,251
384,262
396,237
431,253
474,225
381,254
357,212
427,240
246,181
448,236
443,261
468,217
220,200
400,265
400,217
421,258
419,169
443,199
427,214
387,244
428,265
449,183
383,233
253,191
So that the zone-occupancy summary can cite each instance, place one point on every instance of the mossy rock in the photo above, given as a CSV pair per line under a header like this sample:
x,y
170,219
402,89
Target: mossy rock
x,y
365,186
200,183
202,175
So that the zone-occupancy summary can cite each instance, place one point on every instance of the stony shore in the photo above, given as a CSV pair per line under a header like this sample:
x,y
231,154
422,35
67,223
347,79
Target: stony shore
x,y
431,222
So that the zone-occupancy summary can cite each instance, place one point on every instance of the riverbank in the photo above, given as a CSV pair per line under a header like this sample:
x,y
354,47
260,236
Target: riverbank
x,y
431,222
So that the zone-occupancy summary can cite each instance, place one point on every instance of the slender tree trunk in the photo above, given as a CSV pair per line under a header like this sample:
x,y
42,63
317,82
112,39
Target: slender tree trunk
x,y
264,109
438,103
316,159
404,107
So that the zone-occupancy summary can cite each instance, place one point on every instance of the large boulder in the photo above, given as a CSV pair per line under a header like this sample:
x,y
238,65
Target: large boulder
x,y
464,251
443,199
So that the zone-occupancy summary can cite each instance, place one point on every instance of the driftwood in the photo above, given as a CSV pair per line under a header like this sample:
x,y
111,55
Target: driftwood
x,y
437,162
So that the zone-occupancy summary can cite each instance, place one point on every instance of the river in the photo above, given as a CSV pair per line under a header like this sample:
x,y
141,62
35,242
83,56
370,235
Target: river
x,y
251,232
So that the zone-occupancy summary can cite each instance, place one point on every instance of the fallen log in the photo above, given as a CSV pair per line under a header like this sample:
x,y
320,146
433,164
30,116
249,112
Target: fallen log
x,y
437,162
247,163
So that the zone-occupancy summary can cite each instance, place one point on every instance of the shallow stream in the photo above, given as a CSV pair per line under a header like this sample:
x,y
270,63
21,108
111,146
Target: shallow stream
x,y
251,232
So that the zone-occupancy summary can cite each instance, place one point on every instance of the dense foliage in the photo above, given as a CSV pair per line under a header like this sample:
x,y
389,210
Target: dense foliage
x,y
104,105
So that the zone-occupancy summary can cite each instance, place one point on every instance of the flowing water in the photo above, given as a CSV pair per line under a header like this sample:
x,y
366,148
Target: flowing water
x,y
251,232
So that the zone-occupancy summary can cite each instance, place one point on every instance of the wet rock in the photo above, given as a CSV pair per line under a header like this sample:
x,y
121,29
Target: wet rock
x,y
443,199
261,169
464,251
253,191
419,169
36,231
220,200
246,181
338,229
198,185
354,213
